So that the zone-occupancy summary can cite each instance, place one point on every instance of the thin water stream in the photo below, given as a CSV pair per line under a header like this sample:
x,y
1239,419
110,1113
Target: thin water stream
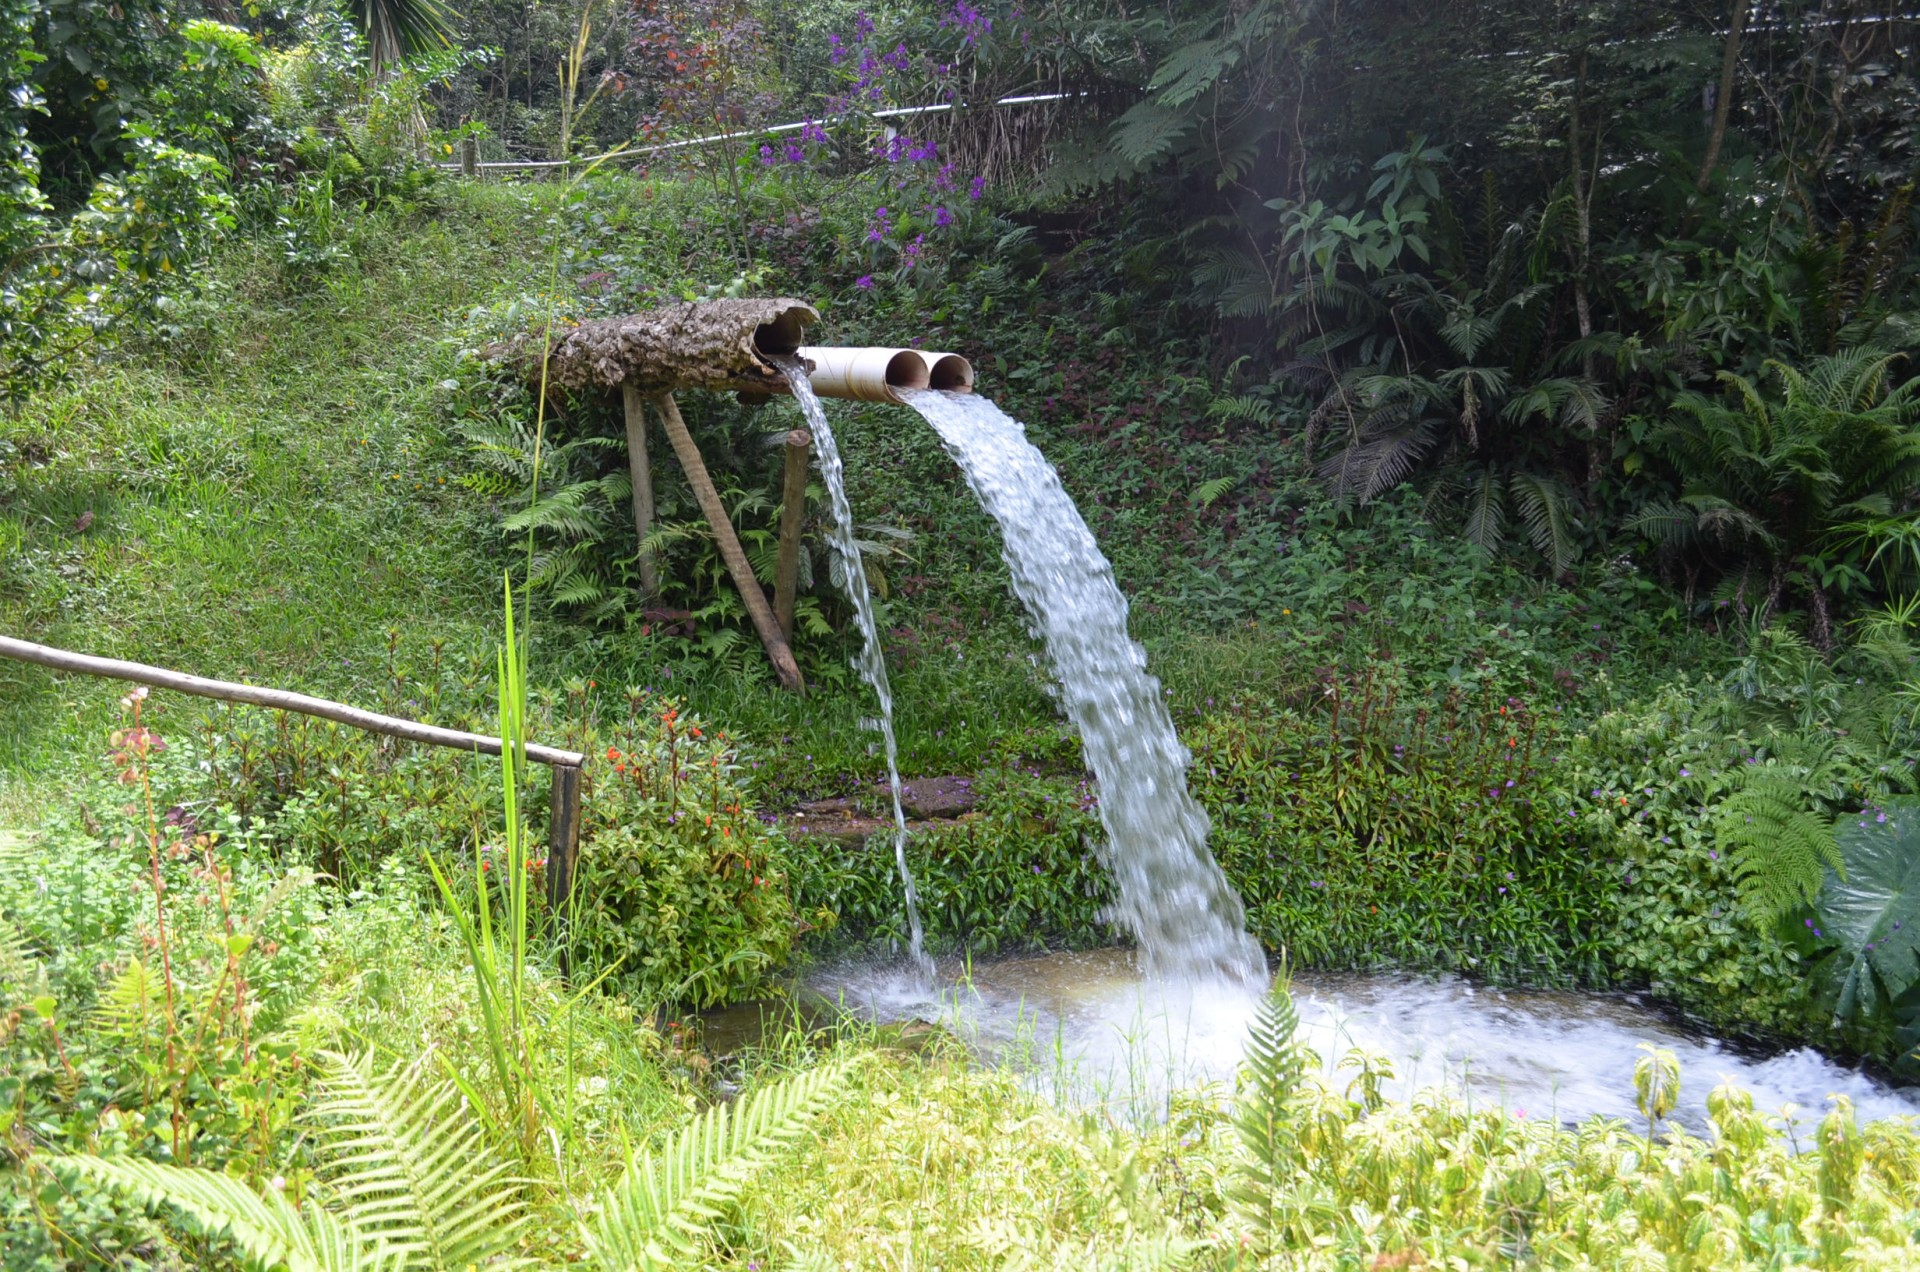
x,y
1174,899
871,663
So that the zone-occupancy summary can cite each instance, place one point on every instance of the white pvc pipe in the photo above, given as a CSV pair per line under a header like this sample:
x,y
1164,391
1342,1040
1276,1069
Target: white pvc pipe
x,y
878,375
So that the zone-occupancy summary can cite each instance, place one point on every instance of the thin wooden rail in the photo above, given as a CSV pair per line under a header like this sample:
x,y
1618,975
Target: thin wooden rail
x,y
563,839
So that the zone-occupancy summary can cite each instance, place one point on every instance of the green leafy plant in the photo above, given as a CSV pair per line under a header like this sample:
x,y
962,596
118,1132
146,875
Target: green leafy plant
x,y
408,1184
1269,1077
1872,908
683,888
666,1201
1772,486
1781,849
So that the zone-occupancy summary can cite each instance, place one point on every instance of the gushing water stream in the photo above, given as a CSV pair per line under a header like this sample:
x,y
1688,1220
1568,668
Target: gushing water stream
x,y
871,663
1174,899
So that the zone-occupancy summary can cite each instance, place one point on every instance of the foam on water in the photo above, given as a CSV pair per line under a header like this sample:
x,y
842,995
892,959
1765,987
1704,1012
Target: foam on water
x,y
871,663
1186,918
1087,1029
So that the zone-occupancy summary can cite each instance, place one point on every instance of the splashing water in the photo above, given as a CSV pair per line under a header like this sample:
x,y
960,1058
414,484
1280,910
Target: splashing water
x,y
871,663
1182,912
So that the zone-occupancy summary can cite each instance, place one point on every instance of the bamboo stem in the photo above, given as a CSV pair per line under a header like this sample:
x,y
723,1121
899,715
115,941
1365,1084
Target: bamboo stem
x,y
640,468
730,550
279,699
793,509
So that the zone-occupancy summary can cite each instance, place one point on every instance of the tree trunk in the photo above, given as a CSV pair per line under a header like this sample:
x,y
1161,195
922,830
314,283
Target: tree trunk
x,y
1723,99
730,551
1821,619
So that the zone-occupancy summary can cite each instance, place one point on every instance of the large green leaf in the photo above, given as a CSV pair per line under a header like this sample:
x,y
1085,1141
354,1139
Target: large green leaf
x,y
1875,911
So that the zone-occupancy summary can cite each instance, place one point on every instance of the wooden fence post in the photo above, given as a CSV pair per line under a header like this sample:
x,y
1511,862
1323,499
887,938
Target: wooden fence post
x,y
469,156
793,509
563,839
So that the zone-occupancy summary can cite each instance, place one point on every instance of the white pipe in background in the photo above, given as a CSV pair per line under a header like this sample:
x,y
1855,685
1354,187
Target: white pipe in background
x,y
878,375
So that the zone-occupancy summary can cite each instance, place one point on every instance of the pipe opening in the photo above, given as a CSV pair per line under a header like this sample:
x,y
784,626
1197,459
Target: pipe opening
x,y
907,370
783,333
950,372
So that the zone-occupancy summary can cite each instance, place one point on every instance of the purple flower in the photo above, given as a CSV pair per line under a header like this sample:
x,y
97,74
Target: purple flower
x,y
943,218
794,153
766,156
1685,773
836,51
943,180
864,282
813,134
978,188
862,25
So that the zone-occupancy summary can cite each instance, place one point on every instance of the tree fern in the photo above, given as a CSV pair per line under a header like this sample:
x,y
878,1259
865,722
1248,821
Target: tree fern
x,y
407,1166
1269,1075
268,1230
1780,849
664,1203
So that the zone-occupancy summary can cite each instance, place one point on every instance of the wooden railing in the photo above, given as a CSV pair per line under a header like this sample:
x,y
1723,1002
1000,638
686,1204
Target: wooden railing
x,y
563,830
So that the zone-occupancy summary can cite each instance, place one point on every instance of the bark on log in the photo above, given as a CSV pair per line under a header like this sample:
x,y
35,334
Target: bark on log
x,y
712,344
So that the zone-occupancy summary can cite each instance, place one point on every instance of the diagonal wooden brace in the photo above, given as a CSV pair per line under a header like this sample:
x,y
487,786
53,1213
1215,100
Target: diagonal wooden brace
x,y
730,551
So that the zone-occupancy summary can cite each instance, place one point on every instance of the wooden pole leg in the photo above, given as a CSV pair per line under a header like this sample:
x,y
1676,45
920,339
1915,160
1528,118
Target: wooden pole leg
x,y
563,850
793,511
640,468
730,551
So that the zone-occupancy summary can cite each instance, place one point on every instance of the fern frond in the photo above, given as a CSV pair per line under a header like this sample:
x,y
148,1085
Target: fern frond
x,y
665,1202
268,1230
1547,508
408,1167
1271,1072
20,972
1779,849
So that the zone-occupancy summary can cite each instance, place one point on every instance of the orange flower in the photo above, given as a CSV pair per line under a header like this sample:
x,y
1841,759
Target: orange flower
x,y
612,753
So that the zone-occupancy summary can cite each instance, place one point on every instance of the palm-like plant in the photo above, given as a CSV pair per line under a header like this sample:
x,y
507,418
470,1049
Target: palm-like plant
x,y
1490,426
398,29
1774,490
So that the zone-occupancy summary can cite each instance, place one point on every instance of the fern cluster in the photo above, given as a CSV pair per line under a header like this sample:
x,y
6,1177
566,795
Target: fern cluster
x,y
407,1183
1780,848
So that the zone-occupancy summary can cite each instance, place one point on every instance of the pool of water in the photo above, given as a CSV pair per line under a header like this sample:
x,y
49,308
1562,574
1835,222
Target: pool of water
x,y
1086,1029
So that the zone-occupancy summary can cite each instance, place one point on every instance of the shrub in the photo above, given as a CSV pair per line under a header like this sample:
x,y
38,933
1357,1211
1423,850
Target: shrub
x,y
682,890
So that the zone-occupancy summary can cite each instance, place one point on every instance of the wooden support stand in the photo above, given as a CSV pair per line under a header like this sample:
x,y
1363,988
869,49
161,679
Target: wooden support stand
x,y
640,468
730,551
793,511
